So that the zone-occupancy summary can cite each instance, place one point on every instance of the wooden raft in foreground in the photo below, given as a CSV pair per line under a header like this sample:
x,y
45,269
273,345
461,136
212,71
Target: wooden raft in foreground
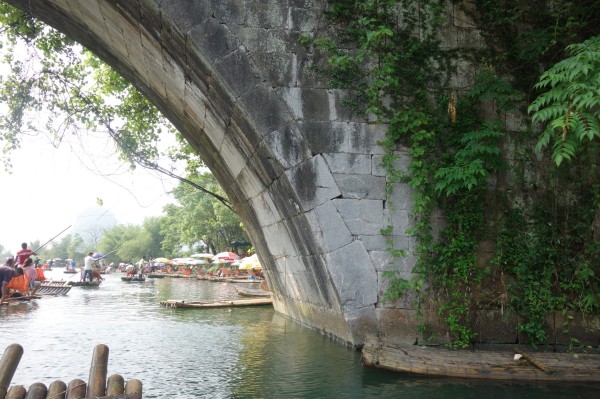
x,y
172,303
98,387
493,365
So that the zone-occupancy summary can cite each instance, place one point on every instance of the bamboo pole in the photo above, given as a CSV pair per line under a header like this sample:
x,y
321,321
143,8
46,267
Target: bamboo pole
x,y
16,392
76,389
98,372
115,385
37,390
57,390
8,365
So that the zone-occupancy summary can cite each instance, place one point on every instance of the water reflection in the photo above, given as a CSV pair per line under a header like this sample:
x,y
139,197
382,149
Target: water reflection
x,y
212,353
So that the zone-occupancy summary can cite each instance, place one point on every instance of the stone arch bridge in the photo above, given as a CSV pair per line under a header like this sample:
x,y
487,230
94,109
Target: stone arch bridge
x,y
303,174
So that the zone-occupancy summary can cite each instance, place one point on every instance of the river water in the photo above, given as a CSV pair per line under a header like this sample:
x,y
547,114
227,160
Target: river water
x,y
212,353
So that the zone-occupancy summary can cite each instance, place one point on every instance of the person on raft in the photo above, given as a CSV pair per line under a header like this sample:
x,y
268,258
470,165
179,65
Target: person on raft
x,y
6,275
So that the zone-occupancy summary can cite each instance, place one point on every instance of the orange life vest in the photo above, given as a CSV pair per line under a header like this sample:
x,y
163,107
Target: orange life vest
x,y
19,283
40,274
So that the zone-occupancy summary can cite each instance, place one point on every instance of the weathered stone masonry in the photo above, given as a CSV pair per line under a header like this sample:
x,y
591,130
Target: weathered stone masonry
x,y
304,174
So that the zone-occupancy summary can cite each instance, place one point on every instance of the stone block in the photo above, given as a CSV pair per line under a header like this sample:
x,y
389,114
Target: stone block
x,y
361,186
343,163
400,198
279,69
353,276
266,16
229,12
279,241
302,19
267,110
186,14
574,329
494,327
312,182
363,217
328,227
266,212
327,137
288,146
398,325
238,71
401,163
213,39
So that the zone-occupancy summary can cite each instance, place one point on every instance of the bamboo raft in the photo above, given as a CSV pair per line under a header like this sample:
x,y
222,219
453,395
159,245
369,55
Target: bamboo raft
x,y
53,288
99,386
172,303
94,283
24,298
491,365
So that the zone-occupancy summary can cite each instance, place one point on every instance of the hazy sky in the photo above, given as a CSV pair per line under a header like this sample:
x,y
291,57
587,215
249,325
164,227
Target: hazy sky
x,y
50,187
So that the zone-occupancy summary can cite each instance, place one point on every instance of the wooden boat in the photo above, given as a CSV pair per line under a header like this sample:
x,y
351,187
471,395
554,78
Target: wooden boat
x,y
93,283
49,287
481,364
253,292
172,303
70,271
133,279
156,275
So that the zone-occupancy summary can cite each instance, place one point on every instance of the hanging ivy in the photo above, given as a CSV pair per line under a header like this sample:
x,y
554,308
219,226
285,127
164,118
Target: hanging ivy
x,y
390,55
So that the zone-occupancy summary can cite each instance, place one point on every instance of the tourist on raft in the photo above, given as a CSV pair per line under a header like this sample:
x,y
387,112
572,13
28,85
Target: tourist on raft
x,y
19,285
23,254
10,262
88,266
40,273
6,275
31,275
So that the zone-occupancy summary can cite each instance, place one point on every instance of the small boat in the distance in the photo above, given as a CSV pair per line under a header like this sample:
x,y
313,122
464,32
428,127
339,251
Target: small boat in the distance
x,y
133,279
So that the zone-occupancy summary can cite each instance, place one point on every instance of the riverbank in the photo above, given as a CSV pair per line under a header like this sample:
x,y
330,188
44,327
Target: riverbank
x,y
518,365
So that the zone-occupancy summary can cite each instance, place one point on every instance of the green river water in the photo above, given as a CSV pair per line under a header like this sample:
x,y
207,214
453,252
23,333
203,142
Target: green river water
x,y
212,353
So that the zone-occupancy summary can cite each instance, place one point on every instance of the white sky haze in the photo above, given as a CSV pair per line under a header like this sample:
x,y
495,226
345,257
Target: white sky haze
x,y
49,187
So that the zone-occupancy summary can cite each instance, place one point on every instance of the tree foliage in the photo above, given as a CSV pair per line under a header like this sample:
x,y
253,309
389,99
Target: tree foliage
x,y
569,107
199,217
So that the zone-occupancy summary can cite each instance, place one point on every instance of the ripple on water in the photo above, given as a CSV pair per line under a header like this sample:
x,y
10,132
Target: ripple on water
x,y
214,353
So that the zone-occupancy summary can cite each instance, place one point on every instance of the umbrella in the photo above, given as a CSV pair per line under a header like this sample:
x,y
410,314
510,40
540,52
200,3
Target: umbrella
x,y
98,255
227,255
163,260
251,262
202,256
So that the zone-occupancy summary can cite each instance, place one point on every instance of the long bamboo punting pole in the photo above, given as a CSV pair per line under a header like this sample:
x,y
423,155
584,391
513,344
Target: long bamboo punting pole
x,y
37,390
76,389
50,240
57,390
8,365
98,372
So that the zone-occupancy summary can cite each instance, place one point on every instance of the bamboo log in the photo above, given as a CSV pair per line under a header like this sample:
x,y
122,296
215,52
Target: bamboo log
x,y
37,390
16,392
8,365
98,372
115,385
57,390
76,389
134,387
540,365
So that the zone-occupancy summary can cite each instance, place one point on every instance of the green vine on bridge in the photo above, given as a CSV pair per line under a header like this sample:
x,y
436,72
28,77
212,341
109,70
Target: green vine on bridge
x,y
391,56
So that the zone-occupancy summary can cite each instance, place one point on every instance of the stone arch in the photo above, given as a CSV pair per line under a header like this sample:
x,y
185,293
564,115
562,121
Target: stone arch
x,y
303,174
